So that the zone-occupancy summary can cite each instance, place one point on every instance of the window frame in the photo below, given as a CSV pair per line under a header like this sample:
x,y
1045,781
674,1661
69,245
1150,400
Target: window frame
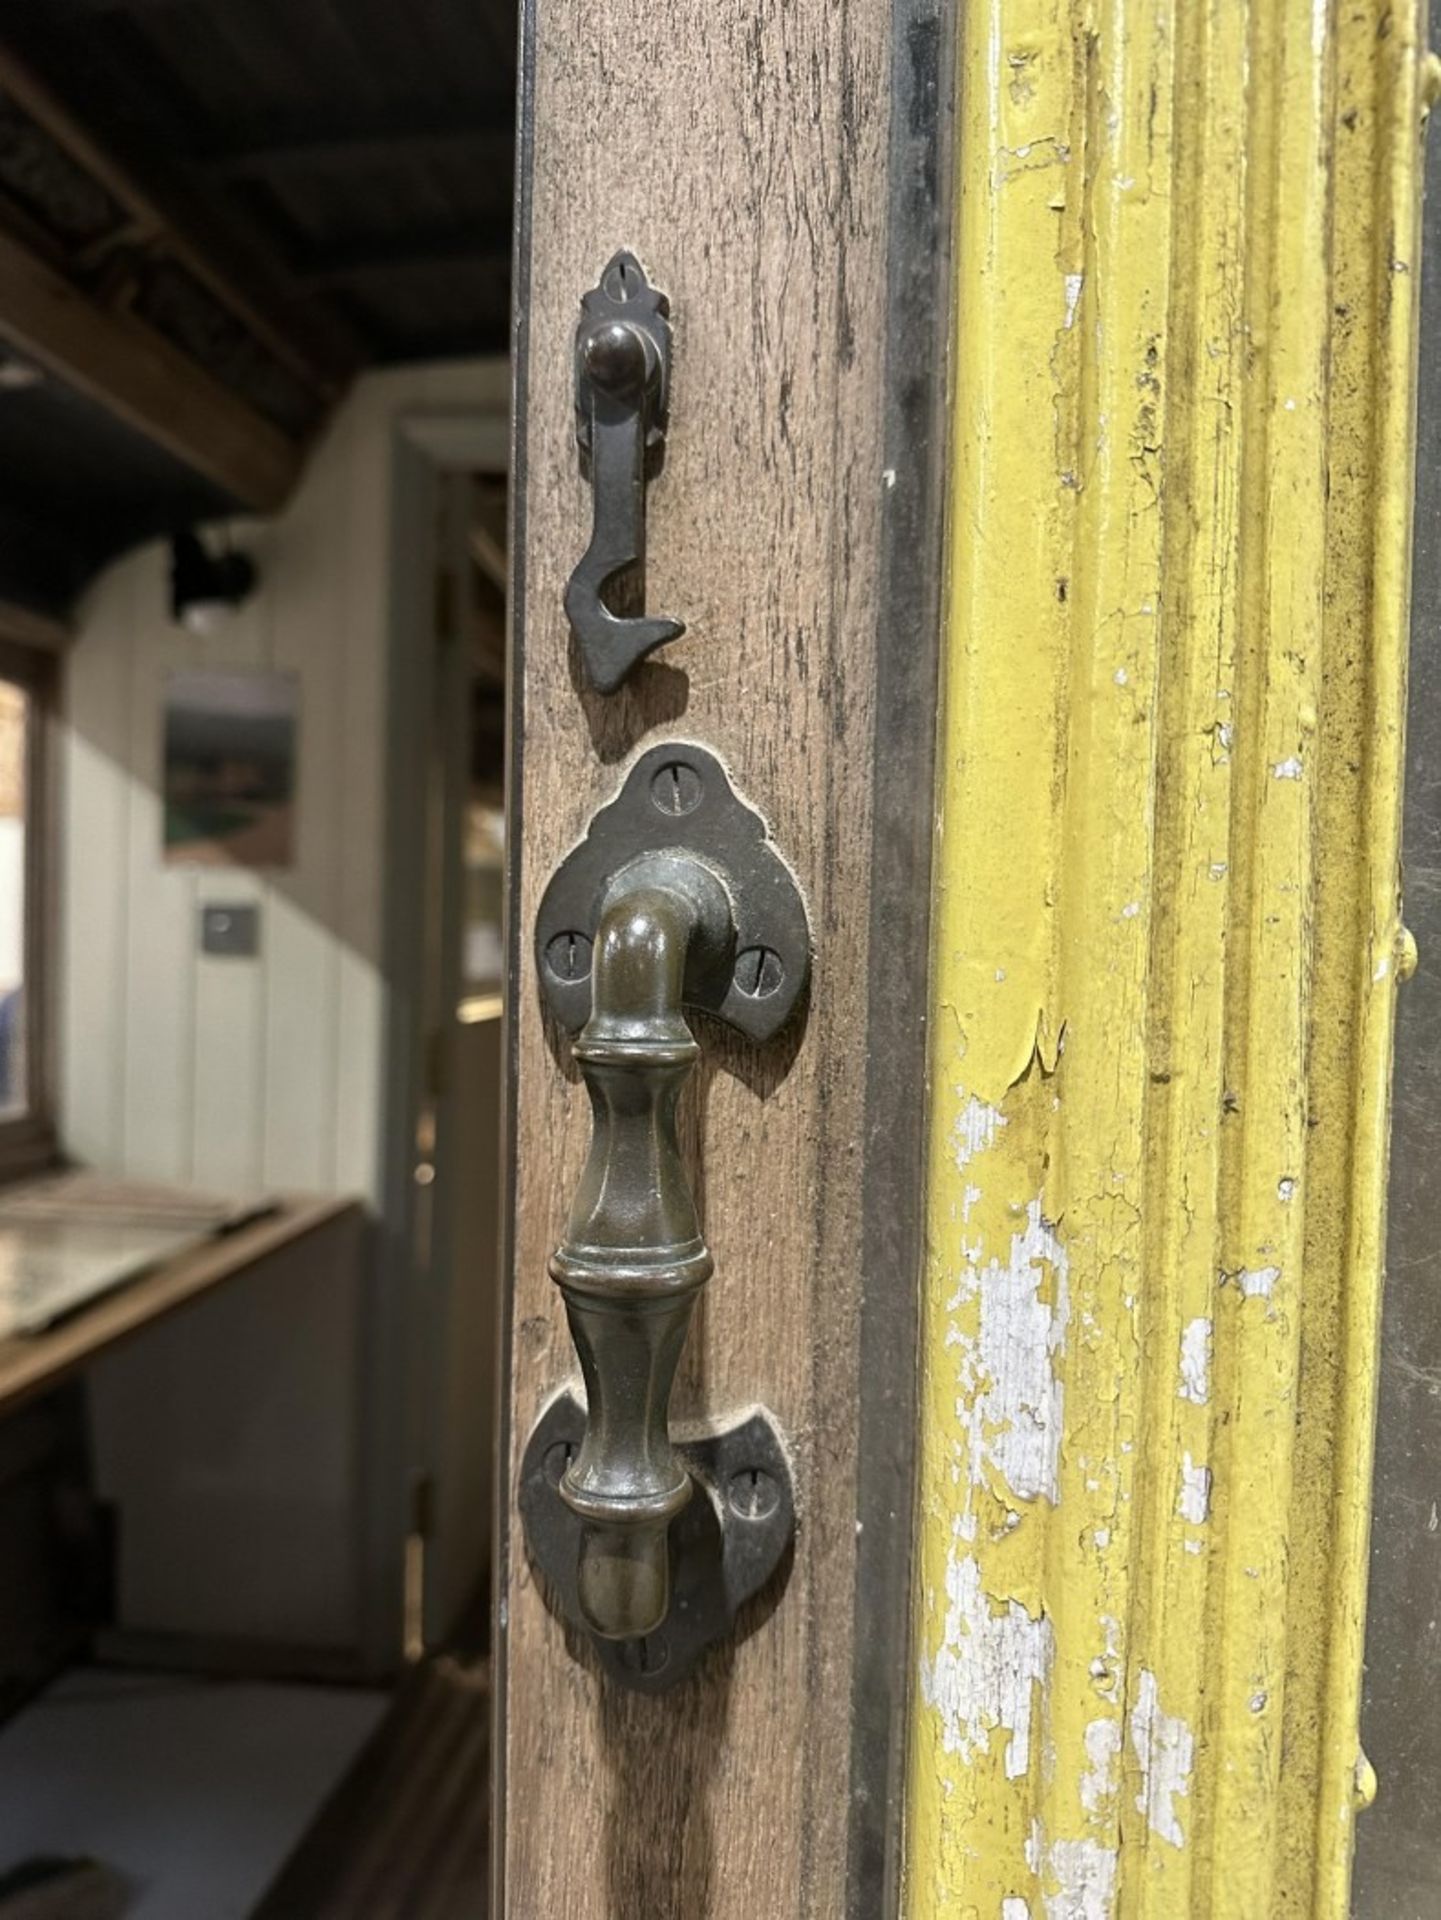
x,y
28,1141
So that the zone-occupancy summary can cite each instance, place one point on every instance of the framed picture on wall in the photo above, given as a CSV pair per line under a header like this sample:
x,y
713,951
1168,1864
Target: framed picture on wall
x,y
229,774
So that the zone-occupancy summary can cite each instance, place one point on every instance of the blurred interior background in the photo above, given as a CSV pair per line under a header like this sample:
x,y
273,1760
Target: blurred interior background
x,y
254,317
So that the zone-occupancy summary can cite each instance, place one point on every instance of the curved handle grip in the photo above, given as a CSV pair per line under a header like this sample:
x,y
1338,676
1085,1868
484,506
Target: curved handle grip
x,y
633,1258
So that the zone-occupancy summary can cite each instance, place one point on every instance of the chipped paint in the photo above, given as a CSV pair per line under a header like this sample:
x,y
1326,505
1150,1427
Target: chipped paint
x,y
1010,1397
975,1128
1257,1282
1287,769
1099,1782
1164,1751
1196,1361
1193,1500
1084,1872
992,1661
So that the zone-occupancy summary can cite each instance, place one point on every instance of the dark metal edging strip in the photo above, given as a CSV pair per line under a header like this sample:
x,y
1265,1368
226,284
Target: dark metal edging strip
x,y
918,321
515,943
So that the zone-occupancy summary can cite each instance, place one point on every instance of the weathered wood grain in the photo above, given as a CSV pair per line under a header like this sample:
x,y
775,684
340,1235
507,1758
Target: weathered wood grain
x,y
741,153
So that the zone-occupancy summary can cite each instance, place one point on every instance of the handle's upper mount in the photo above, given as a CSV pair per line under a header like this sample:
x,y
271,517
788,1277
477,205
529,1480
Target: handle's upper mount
x,y
622,399
724,1546
677,796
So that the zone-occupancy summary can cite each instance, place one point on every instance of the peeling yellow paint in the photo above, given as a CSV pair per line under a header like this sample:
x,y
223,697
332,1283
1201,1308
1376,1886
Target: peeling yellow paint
x,y
1167,944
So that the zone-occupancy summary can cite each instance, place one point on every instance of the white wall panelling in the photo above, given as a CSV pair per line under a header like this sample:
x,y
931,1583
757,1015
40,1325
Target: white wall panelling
x,y
265,1073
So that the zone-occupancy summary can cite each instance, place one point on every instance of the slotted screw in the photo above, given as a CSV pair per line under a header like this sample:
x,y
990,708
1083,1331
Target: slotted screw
x,y
676,788
759,972
648,1656
568,956
753,1494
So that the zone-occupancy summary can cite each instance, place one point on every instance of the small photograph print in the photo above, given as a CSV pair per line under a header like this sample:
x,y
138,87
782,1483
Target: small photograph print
x,y
230,768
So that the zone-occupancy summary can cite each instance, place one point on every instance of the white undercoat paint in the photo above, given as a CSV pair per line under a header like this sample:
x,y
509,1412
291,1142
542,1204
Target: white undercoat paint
x,y
1258,1282
992,1659
1014,1908
1009,1396
1164,1750
977,1125
1196,1362
1085,1876
1193,1501
1103,1747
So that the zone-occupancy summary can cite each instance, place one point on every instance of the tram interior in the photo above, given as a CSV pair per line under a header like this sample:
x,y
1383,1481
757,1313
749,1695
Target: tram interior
x,y
254,324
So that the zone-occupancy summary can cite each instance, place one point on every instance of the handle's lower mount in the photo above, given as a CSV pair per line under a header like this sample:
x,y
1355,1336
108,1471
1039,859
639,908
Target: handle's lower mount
x,y
724,1546
675,900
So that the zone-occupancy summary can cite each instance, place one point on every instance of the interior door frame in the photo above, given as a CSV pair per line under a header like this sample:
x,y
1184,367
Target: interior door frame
x,y
403,1330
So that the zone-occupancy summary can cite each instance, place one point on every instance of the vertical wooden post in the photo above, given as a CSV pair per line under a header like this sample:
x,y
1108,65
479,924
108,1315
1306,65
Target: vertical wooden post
x,y
750,158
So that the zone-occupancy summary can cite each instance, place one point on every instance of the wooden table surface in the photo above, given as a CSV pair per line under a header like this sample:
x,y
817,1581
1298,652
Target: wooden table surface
x,y
29,1363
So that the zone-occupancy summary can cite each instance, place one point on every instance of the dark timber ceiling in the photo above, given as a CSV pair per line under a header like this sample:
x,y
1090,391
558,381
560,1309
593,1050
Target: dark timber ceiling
x,y
361,147
213,213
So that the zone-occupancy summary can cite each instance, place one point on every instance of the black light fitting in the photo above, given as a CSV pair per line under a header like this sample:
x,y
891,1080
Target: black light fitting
x,y
205,587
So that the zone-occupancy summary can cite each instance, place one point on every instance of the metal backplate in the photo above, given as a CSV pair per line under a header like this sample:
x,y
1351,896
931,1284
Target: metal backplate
x,y
678,796
625,296
725,1545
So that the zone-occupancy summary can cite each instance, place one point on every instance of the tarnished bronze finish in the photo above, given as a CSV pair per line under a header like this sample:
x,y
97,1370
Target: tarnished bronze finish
x,y
622,385
726,1544
676,898
633,1257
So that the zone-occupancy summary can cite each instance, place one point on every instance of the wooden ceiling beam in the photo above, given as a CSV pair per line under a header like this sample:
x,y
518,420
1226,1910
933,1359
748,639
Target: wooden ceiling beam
x,y
324,364
480,244
278,154
142,380
24,627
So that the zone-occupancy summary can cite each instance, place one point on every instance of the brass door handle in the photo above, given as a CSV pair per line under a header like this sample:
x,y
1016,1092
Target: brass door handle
x,y
633,1258
676,900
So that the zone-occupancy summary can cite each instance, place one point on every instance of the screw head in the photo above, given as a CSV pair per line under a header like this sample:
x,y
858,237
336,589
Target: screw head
x,y
567,955
615,357
650,1655
676,788
759,972
753,1494
623,278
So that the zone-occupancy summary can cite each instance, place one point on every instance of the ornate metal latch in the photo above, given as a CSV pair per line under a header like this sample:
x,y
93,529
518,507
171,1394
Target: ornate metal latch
x,y
675,900
622,394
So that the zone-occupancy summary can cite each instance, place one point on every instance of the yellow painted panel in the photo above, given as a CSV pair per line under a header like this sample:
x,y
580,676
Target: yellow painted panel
x,y
1166,938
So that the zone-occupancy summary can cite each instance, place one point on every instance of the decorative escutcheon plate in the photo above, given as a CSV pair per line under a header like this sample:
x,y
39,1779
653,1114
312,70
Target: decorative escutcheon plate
x,y
678,796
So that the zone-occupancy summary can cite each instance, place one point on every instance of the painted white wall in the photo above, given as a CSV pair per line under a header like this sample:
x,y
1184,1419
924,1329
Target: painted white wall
x,y
241,1075
216,1072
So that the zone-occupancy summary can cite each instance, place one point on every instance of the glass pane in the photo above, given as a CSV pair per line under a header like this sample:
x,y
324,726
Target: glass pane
x,y
14,735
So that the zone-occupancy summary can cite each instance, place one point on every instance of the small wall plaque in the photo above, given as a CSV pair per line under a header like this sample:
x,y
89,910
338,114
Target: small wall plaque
x,y
232,932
